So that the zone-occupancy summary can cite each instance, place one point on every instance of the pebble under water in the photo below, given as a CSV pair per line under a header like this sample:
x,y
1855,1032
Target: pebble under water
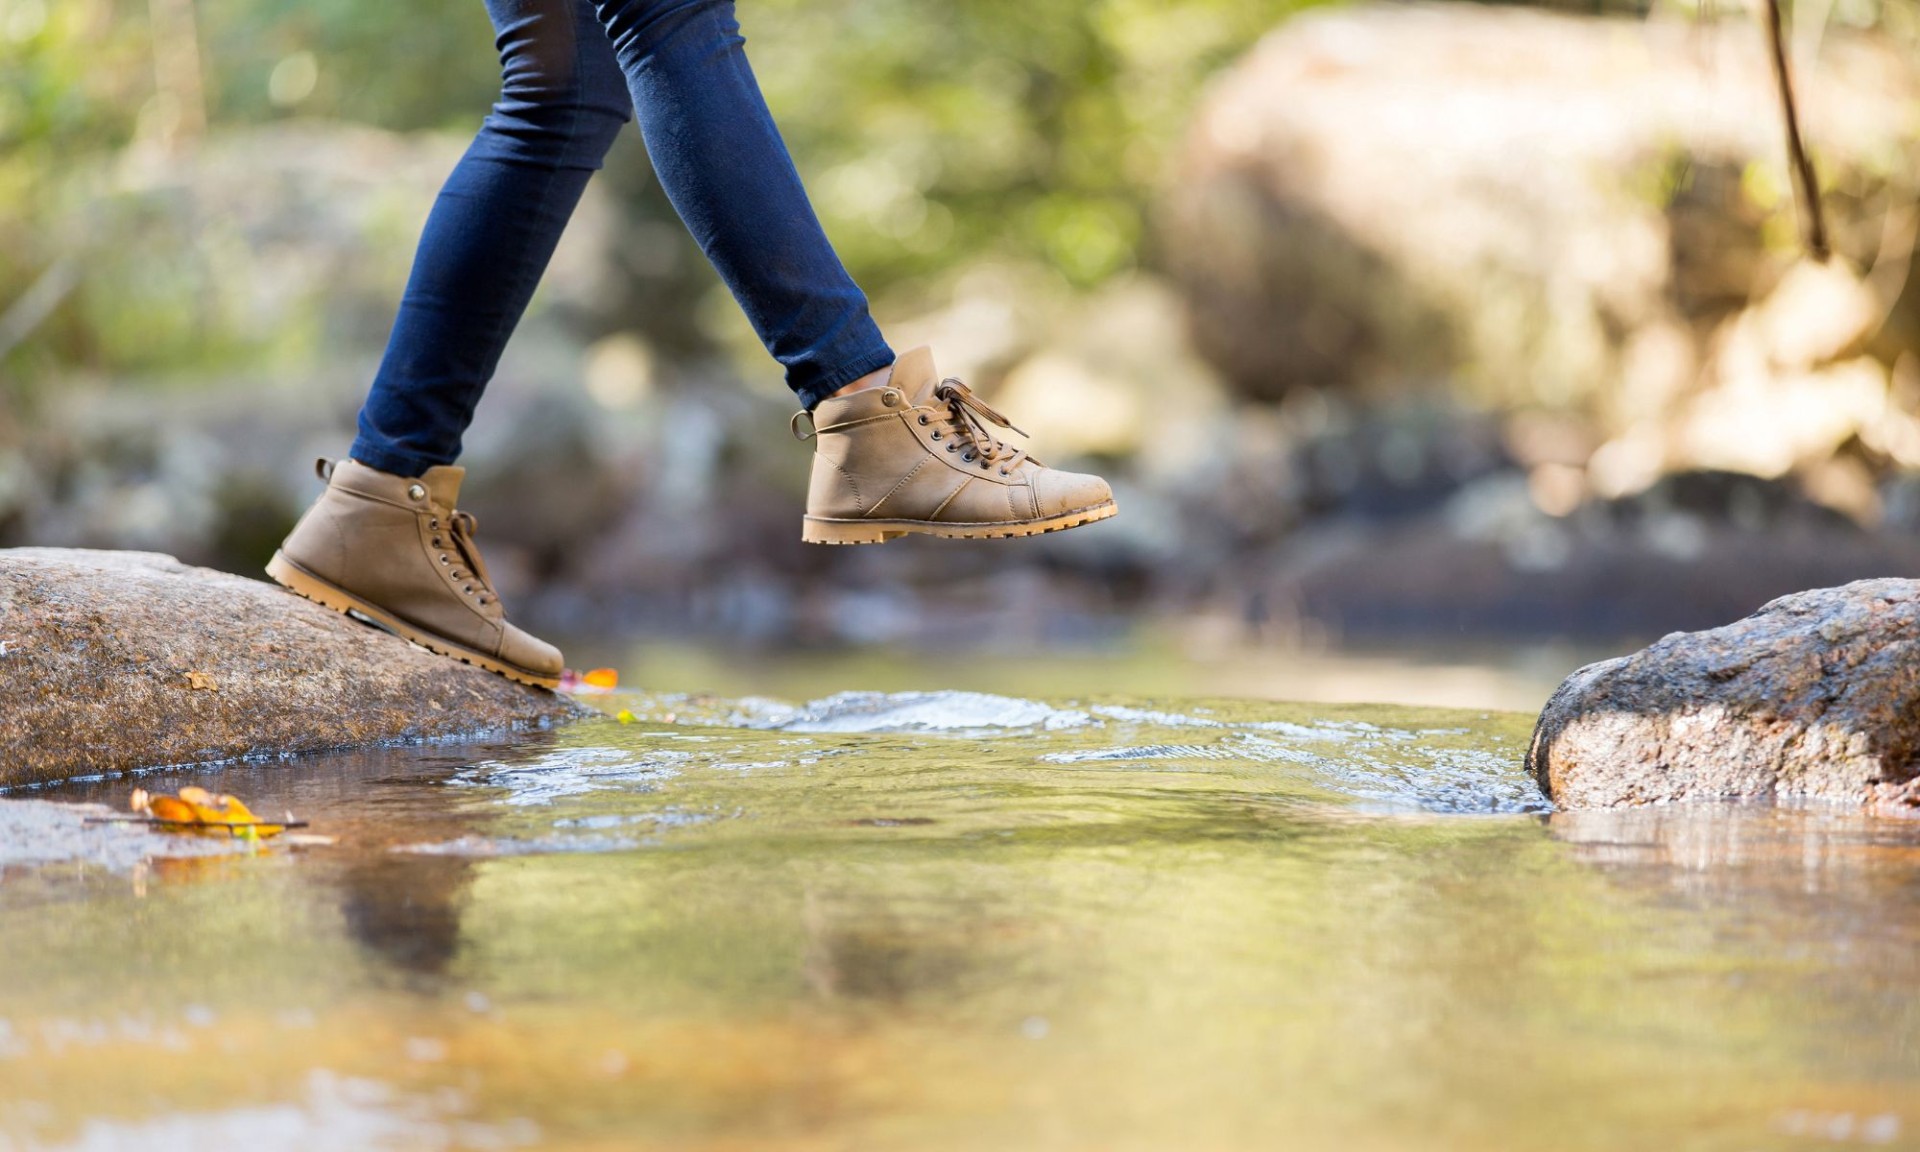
x,y
951,920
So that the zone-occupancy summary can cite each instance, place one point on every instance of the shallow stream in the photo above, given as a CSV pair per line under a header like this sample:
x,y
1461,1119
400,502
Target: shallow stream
x,y
955,921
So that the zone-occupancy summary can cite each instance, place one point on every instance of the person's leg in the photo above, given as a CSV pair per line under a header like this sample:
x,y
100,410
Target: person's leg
x,y
723,164
563,101
900,449
385,541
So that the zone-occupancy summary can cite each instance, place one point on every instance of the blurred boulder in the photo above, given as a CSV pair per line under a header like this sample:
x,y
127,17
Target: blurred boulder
x,y
1695,549
1559,213
1115,378
1817,695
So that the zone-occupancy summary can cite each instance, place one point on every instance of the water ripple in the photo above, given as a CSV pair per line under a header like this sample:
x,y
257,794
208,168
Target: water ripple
x,y
1452,780
952,712
573,772
1145,752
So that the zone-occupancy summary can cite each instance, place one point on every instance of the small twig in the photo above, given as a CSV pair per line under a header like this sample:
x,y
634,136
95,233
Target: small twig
x,y
1797,158
156,822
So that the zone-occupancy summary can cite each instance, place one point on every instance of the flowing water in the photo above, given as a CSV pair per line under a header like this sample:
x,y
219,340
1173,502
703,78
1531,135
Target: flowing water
x,y
956,921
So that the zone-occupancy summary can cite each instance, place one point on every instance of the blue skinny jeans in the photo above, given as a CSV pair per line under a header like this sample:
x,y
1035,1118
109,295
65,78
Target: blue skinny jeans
x,y
574,71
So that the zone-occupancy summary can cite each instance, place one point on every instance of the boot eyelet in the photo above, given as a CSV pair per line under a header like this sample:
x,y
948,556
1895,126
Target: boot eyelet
x,y
937,434
436,542
416,491
923,420
967,456
434,524
1004,472
443,559
954,447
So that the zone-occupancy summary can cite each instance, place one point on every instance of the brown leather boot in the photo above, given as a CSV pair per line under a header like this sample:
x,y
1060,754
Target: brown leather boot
x,y
395,553
917,455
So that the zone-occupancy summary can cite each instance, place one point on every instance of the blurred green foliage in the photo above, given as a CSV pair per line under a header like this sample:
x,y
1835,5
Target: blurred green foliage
x,y
932,135
1032,129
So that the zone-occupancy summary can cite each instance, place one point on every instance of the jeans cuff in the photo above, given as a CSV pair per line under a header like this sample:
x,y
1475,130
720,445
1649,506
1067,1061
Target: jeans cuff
x,y
387,460
850,370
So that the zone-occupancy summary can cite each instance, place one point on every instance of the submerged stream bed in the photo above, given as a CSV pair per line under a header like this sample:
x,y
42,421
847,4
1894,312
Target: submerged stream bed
x,y
956,921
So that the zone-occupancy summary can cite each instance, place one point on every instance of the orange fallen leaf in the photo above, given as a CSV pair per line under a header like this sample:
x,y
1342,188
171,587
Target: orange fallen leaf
x,y
172,810
201,682
602,678
198,810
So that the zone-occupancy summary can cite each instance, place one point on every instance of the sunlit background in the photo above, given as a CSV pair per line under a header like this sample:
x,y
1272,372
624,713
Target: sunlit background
x,y
1430,348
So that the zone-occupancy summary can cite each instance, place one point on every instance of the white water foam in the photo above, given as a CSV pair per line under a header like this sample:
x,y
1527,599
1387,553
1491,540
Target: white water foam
x,y
1384,767
1149,716
946,712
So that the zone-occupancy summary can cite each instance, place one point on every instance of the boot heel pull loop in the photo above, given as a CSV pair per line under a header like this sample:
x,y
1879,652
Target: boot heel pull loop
x,y
793,426
323,468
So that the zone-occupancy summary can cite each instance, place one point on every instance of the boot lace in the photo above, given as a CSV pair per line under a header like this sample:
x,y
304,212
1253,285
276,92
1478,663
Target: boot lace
x,y
967,419
463,556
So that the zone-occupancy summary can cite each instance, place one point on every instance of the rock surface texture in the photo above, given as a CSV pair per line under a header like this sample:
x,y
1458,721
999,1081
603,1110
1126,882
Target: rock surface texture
x,y
111,661
1816,695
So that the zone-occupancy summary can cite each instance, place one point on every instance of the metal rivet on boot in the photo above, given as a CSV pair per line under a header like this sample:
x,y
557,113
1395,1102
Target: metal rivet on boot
x,y
416,492
890,398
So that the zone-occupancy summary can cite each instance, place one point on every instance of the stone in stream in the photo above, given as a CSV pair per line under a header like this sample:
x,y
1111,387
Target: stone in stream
x,y
112,661
1816,695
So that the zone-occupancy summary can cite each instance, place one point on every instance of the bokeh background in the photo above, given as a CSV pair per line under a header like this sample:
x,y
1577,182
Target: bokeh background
x,y
1425,342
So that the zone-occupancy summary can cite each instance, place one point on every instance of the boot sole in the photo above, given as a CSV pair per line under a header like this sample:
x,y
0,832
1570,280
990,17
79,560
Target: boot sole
x,y
301,582
821,530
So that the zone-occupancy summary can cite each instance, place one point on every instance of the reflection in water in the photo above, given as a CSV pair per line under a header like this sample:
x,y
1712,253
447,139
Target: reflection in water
x,y
405,909
980,922
1847,875
863,949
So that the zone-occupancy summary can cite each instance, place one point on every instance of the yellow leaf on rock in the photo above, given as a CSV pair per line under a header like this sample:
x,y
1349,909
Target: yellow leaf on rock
x,y
602,678
201,682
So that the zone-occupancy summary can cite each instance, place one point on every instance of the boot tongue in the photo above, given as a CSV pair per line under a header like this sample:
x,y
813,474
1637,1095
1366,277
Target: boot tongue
x,y
914,374
443,484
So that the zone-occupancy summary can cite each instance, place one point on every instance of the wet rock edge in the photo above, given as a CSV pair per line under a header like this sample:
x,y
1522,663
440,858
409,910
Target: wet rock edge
x,y
1816,696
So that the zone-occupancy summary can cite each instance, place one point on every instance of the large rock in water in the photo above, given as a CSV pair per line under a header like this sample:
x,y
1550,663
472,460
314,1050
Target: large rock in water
x,y
1815,695
118,660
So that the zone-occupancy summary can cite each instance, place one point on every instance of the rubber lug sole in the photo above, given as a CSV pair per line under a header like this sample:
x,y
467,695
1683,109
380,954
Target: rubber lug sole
x,y
821,530
301,582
